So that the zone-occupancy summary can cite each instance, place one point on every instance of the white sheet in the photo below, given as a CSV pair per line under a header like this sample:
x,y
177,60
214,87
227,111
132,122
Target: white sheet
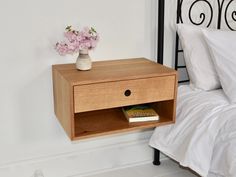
x,y
204,135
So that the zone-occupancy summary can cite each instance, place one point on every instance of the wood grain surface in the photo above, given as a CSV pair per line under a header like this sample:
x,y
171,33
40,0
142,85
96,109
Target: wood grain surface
x,y
89,103
114,70
112,94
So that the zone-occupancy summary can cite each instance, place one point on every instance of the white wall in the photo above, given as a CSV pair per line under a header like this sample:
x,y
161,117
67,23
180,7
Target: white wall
x,y
29,131
169,36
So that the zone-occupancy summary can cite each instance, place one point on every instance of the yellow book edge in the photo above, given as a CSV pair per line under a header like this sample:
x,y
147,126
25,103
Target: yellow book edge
x,y
140,113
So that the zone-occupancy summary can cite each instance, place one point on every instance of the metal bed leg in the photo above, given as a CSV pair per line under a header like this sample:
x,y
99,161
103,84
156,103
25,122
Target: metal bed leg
x,y
156,160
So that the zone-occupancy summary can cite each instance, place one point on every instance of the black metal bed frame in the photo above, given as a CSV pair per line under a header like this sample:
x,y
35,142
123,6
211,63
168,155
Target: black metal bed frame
x,y
221,12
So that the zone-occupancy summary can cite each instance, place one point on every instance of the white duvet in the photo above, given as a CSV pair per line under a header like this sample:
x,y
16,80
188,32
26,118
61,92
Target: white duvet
x,y
204,135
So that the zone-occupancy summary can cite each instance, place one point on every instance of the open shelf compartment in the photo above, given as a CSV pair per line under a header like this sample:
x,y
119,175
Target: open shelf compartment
x,y
109,121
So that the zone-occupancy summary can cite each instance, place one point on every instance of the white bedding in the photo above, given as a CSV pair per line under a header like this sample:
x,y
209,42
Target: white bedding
x,y
204,135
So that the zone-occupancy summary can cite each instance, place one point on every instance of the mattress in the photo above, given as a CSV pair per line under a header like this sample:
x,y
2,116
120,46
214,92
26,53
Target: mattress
x,y
204,135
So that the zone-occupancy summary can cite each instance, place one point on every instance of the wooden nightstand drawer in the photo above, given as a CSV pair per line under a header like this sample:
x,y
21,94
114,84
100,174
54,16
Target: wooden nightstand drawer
x,y
113,94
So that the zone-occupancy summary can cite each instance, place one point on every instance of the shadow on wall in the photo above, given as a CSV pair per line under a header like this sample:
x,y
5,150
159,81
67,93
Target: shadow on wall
x,y
36,113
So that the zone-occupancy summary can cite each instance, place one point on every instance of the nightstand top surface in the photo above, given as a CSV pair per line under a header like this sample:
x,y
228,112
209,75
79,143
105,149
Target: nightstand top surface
x,y
113,70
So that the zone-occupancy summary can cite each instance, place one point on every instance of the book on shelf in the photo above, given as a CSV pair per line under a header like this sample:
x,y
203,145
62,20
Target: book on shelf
x,y
140,113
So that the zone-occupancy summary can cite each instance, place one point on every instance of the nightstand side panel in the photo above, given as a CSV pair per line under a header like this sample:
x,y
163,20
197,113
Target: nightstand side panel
x,y
63,102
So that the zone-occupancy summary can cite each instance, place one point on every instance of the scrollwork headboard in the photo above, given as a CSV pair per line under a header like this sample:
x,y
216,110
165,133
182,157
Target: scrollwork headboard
x,y
218,14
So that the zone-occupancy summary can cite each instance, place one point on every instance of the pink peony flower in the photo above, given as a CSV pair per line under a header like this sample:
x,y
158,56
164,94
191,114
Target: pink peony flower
x,y
62,48
87,39
71,36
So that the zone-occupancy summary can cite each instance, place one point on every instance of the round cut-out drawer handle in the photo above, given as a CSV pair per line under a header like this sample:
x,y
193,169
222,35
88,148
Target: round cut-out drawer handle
x,y
127,93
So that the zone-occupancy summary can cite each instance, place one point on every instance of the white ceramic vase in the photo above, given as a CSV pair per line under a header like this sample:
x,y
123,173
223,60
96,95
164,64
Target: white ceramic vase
x,y
83,61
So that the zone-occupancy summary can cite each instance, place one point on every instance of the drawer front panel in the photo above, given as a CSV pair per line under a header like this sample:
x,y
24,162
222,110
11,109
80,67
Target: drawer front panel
x,y
122,93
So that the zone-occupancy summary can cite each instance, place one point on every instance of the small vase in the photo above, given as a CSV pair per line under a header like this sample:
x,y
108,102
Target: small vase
x,y
83,61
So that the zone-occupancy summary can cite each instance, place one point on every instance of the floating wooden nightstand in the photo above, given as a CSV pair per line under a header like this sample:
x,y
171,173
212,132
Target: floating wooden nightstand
x,y
88,103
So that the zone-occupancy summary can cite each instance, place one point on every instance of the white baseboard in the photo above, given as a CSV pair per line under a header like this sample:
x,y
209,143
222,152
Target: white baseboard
x,y
124,152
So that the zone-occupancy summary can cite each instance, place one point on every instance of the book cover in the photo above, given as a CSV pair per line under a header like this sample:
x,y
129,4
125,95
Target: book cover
x,y
140,113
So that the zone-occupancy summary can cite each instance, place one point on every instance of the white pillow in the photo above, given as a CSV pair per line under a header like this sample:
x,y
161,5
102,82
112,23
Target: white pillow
x,y
222,45
200,67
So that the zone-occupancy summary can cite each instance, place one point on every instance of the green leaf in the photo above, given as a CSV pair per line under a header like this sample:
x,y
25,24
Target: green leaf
x,y
68,28
93,30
